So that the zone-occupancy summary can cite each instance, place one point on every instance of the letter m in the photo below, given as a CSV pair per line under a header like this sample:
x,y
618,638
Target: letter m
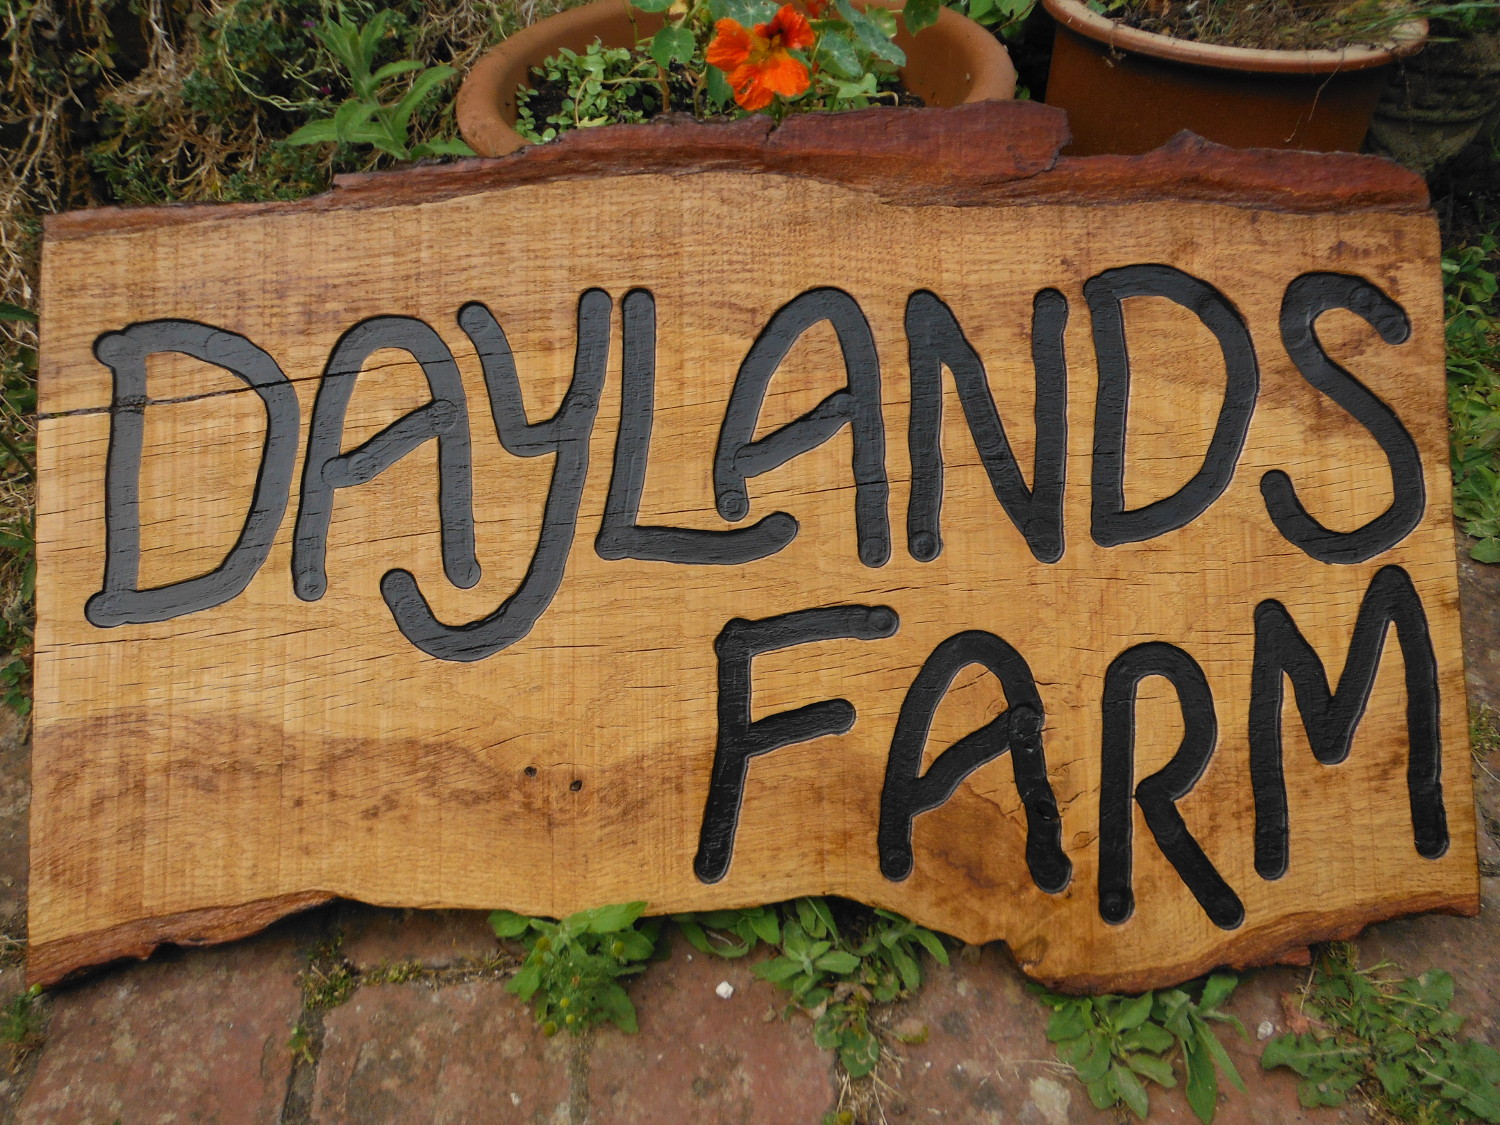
x,y
1330,717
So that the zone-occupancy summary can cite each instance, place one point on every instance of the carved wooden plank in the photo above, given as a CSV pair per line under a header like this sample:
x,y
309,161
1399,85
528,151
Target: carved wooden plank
x,y
655,515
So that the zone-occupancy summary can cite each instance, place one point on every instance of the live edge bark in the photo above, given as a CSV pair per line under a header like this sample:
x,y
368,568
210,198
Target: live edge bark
x,y
880,505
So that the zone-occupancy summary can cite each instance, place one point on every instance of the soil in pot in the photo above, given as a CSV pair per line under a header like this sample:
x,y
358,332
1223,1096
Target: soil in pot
x,y
1127,90
1266,25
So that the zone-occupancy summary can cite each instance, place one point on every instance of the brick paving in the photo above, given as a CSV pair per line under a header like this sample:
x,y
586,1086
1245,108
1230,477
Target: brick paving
x,y
195,1036
449,1055
204,1036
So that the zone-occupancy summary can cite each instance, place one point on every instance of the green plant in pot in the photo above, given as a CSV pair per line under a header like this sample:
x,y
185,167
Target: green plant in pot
x,y
613,62
1302,74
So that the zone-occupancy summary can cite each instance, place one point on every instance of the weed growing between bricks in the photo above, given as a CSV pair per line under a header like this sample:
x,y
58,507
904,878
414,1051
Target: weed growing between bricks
x,y
1391,1040
330,980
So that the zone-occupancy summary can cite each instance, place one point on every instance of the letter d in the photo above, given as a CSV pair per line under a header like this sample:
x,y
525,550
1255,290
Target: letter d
x,y
122,602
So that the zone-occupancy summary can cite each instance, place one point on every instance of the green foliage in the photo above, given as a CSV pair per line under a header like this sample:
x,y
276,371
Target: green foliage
x,y
1116,1044
300,1044
834,974
1484,731
1393,1037
573,966
21,1021
1004,17
329,979
731,933
366,117
1473,343
195,99
604,85
17,530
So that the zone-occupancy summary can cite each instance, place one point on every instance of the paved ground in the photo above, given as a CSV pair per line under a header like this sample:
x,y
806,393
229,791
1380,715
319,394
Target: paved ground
x,y
204,1036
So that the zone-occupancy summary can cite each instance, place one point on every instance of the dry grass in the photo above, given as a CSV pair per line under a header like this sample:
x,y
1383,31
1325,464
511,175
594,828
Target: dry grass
x,y
1270,24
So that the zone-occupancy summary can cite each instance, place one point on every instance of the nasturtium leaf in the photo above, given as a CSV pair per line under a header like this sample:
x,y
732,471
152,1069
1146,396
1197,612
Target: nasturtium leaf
x,y
837,55
883,19
672,43
871,33
919,14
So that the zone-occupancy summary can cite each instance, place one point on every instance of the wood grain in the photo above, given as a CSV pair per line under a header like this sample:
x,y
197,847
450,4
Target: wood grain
x,y
249,758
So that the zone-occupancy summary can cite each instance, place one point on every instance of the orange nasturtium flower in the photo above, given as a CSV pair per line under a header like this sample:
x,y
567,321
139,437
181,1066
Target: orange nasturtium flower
x,y
759,62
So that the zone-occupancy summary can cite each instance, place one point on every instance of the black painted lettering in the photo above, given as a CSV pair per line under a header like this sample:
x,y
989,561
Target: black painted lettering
x,y
565,434
120,602
620,536
444,418
934,341
856,405
1112,524
1330,718
1158,794
1018,729
740,739
1307,298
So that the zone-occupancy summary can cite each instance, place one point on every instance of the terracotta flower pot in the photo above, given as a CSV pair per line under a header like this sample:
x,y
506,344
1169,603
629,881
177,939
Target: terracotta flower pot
x,y
1128,91
950,63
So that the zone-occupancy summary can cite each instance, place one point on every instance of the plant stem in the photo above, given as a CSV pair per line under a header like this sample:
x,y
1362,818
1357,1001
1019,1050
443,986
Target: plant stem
x,y
15,451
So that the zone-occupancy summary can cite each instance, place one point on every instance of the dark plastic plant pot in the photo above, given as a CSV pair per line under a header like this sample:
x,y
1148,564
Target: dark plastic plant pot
x,y
1440,101
950,63
1129,91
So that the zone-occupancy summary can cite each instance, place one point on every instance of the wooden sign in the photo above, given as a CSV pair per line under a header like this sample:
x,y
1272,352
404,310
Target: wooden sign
x,y
1055,551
